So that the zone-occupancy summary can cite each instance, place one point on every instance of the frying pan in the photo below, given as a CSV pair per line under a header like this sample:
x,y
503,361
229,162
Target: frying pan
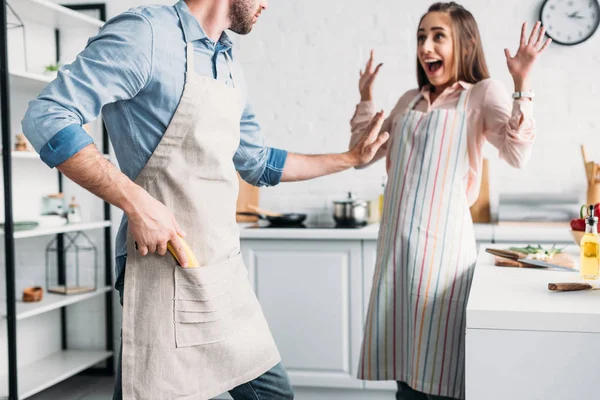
x,y
289,219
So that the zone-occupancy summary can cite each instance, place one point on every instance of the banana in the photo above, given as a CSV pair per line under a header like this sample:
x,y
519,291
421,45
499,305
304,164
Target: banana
x,y
191,258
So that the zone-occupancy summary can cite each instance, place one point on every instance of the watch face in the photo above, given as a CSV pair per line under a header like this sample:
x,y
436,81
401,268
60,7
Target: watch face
x,y
570,21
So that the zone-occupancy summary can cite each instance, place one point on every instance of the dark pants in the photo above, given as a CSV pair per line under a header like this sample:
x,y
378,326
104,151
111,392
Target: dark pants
x,y
405,392
272,385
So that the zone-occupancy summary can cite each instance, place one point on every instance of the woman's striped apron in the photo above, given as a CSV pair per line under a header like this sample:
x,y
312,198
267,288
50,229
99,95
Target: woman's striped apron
x,y
426,255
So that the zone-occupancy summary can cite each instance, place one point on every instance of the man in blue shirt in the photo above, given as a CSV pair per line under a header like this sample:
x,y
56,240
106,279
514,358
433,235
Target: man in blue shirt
x,y
134,72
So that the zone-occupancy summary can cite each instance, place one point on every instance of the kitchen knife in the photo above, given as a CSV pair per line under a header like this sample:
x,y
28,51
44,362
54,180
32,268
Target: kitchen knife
x,y
544,264
570,287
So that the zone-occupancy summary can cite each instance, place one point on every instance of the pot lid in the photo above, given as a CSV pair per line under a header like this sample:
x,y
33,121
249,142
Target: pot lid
x,y
350,200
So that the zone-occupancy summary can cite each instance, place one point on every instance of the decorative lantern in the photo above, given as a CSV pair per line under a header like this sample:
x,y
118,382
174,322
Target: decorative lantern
x,y
71,264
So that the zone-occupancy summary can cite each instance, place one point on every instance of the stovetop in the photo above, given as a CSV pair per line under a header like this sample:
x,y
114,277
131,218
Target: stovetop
x,y
307,225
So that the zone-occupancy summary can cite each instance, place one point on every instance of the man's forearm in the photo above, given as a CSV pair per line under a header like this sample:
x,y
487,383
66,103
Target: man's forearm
x,y
90,170
300,167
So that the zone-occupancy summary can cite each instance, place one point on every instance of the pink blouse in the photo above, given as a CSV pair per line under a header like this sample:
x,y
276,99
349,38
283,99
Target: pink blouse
x,y
489,117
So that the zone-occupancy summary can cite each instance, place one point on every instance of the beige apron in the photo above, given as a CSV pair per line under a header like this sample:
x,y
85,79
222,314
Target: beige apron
x,y
198,332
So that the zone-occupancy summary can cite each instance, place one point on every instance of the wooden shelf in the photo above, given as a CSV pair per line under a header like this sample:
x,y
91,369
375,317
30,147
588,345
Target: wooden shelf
x,y
51,370
53,15
45,231
51,302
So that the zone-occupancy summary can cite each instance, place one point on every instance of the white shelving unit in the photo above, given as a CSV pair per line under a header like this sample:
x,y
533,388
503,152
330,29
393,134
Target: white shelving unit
x,y
25,155
45,231
50,14
51,302
51,370
29,81
30,376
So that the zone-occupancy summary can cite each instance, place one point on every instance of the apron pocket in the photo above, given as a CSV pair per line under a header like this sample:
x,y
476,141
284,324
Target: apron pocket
x,y
216,274
211,302
186,291
185,302
189,334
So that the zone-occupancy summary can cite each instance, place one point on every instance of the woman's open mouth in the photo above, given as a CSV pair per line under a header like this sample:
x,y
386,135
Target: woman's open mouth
x,y
432,66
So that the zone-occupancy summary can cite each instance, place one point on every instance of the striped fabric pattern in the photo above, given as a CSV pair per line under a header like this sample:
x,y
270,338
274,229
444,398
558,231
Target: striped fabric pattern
x,y
426,255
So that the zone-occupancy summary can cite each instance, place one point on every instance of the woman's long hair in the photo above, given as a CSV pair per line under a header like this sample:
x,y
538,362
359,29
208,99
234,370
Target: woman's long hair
x,y
469,60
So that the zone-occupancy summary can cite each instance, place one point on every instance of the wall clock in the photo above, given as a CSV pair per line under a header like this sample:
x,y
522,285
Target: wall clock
x,y
570,22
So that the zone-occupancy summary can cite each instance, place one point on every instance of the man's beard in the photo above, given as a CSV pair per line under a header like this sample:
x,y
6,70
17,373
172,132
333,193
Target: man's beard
x,y
241,15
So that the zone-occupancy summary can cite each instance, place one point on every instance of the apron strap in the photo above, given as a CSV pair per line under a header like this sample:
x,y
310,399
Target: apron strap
x,y
230,66
414,102
462,101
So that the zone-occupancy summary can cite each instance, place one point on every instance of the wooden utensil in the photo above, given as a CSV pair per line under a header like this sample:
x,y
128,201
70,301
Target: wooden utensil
x,y
570,287
588,165
509,254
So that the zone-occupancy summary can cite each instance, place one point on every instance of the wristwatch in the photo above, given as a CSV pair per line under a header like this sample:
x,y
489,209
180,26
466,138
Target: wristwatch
x,y
518,95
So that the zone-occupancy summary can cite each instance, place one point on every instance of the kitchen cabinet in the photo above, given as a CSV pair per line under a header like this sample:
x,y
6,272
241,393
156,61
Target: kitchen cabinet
x,y
524,342
311,294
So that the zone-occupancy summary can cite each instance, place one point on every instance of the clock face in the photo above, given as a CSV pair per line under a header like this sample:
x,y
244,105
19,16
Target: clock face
x,y
570,22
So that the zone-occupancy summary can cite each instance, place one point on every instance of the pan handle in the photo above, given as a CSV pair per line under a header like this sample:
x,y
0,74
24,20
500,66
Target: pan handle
x,y
251,214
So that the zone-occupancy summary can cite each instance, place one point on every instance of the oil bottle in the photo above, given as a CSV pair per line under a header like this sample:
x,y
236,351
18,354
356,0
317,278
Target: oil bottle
x,y
590,247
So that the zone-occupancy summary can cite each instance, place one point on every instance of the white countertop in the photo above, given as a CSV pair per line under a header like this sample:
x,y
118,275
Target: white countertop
x,y
518,299
500,233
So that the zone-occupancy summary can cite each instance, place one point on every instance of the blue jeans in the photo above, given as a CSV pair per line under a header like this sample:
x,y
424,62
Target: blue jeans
x,y
272,385
405,392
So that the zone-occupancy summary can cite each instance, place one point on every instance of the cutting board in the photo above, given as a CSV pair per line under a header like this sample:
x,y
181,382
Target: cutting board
x,y
561,259
248,195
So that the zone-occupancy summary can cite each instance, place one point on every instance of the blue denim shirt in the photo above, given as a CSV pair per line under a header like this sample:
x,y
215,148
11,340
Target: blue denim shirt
x,y
133,72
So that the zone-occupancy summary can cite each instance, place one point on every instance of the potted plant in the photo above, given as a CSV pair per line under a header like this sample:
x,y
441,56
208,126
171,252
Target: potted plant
x,y
52,70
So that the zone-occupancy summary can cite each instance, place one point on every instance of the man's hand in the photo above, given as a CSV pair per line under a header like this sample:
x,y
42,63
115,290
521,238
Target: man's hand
x,y
151,223
153,226
366,148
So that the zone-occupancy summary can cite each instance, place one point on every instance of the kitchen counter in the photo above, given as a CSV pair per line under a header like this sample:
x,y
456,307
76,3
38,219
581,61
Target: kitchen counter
x,y
518,298
525,342
525,232
483,232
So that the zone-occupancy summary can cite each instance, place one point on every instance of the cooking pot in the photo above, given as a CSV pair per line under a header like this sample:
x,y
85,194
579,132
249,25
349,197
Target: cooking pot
x,y
350,211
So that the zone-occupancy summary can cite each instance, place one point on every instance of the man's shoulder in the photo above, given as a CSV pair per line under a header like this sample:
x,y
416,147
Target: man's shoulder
x,y
155,15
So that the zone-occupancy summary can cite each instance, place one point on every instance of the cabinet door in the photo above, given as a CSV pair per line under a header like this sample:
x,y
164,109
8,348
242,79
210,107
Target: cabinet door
x,y
311,294
369,258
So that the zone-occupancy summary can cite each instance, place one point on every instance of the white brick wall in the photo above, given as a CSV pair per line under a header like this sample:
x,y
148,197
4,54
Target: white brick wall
x,y
301,64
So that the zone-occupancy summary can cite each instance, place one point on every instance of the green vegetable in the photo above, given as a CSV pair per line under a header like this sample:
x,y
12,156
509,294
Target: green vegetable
x,y
538,250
